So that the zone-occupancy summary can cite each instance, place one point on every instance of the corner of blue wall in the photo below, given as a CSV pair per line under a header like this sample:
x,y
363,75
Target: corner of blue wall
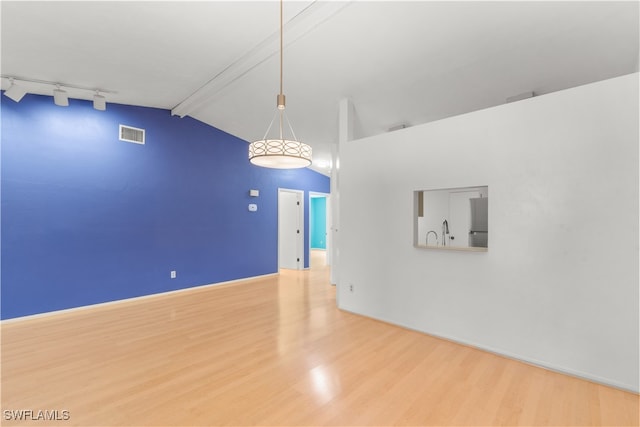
x,y
87,218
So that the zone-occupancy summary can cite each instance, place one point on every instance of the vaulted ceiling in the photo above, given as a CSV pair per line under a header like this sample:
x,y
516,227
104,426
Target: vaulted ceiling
x,y
399,63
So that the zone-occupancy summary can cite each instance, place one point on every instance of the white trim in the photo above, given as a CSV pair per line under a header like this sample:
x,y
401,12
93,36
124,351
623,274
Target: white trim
x,y
534,362
134,299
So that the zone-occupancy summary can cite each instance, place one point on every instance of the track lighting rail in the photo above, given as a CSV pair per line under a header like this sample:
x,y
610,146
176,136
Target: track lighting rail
x,y
18,79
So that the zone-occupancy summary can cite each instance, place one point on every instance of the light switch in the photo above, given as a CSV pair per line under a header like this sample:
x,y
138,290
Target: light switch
x,y
254,193
253,207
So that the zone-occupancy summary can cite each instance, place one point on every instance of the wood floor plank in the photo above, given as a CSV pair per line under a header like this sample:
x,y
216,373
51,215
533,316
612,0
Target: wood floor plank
x,y
275,351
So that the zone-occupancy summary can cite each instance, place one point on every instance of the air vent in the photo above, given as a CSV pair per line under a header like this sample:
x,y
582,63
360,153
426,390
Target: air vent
x,y
131,134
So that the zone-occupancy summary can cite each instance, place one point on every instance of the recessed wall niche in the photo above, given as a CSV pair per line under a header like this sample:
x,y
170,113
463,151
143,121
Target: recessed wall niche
x,y
452,218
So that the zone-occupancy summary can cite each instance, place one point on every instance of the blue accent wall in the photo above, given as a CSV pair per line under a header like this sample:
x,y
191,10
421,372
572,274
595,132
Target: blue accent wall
x,y
87,218
318,223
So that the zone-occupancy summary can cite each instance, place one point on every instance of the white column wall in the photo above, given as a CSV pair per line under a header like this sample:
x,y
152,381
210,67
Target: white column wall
x,y
559,284
346,126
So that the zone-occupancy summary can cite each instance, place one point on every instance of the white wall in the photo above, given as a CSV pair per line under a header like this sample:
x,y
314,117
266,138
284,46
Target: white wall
x,y
559,284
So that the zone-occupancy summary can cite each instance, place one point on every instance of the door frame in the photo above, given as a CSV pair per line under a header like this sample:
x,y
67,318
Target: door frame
x,y
329,225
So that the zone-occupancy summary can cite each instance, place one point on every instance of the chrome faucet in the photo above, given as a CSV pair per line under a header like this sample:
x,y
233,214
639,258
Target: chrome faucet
x,y
429,232
445,231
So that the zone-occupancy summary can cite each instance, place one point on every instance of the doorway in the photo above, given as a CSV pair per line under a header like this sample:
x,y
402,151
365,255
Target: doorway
x,y
290,229
319,229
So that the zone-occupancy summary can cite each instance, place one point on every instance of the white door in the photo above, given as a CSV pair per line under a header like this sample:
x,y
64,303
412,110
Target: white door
x,y
290,229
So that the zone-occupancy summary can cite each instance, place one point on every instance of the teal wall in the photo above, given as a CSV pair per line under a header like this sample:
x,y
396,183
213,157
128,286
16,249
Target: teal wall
x,y
318,221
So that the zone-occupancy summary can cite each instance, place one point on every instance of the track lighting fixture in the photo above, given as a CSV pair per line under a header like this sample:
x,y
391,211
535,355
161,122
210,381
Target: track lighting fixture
x,y
15,92
60,97
99,101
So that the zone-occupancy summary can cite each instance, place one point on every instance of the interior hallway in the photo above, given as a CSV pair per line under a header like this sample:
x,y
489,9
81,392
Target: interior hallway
x,y
276,351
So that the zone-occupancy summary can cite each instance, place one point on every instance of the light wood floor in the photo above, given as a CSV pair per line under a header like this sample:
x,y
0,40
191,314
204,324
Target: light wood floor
x,y
276,351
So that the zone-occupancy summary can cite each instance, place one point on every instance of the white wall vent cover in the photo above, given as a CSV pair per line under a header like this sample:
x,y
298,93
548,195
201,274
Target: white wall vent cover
x,y
131,134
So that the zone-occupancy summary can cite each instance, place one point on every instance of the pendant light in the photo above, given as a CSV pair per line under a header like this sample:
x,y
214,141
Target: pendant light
x,y
280,153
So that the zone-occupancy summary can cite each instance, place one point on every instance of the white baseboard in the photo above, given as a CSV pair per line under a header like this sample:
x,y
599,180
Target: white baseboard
x,y
517,357
128,300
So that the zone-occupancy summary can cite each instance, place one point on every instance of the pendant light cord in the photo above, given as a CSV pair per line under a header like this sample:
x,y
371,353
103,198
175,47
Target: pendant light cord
x,y
280,111
281,37
281,67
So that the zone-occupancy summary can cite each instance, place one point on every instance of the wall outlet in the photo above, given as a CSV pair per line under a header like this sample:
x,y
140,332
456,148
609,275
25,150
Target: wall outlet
x,y
173,274
351,287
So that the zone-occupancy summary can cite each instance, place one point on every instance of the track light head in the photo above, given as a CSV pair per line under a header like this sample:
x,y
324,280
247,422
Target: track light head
x,y
99,102
15,92
60,97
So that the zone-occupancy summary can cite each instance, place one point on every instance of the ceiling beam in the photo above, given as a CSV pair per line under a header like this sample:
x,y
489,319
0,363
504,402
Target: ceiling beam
x,y
307,20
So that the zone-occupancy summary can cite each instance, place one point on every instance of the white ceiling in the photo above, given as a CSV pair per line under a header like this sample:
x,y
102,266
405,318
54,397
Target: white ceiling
x,y
398,62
